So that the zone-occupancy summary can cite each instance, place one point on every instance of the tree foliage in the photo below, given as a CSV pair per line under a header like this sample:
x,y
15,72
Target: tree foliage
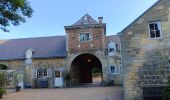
x,y
13,12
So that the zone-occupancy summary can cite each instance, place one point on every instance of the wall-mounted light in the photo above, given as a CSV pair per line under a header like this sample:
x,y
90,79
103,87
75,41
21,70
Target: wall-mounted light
x,y
89,60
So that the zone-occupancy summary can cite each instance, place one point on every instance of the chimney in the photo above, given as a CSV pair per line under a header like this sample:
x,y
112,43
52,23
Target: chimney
x,y
100,20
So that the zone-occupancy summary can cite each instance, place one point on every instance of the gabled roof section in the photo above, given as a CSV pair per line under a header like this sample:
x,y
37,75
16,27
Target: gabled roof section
x,y
113,38
43,47
90,20
139,16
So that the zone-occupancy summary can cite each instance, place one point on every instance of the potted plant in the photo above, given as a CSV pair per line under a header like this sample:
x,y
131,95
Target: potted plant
x,y
67,78
166,95
2,84
2,92
17,87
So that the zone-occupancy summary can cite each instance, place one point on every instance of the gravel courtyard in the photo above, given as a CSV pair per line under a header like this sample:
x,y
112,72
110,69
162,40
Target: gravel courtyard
x,y
88,93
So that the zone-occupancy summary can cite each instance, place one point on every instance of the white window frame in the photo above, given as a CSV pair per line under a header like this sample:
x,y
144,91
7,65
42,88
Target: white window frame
x,y
49,72
159,28
119,68
34,73
11,76
43,73
111,45
85,38
111,70
116,70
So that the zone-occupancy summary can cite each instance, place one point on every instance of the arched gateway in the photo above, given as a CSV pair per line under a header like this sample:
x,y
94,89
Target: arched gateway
x,y
84,67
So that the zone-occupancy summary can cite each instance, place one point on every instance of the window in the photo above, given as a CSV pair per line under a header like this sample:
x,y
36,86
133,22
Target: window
x,y
111,48
34,73
45,73
57,73
112,69
115,70
42,73
85,37
11,76
155,29
85,20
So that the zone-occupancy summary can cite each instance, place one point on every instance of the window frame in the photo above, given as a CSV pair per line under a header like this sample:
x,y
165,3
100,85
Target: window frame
x,y
111,51
42,73
159,28
86,39
111,70
116,70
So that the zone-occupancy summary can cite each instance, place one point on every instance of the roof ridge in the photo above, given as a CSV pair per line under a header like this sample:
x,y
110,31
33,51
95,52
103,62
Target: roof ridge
x,y
153,5
80,22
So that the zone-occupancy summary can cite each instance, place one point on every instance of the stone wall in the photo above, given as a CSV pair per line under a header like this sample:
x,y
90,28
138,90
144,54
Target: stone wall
x,y
115,79
136,45
20,67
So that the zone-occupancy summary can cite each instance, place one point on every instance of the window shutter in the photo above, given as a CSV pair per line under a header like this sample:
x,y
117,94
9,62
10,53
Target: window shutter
x,y
118,70
34,73
49,72
91,37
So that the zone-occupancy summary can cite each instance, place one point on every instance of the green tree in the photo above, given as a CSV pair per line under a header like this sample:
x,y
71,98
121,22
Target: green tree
x,y
13,12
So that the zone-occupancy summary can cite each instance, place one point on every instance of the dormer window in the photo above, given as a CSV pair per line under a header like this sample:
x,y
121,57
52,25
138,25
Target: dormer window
x,y
29,53
155,29
85,37
85,20
111,48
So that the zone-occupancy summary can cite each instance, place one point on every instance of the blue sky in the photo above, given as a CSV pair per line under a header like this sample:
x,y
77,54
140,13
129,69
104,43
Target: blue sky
x,y
50,16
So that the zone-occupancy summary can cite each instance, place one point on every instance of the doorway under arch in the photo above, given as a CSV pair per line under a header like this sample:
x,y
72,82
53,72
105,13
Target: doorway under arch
x,y
86,68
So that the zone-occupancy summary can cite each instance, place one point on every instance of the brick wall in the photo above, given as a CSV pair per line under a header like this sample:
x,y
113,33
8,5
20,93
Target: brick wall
x,y
98,34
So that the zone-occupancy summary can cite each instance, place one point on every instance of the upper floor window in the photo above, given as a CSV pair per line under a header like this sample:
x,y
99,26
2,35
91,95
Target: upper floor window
x,y
111,48
85,37
155,29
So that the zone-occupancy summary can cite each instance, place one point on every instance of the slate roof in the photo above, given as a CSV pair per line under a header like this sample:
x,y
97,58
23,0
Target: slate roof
x,y
81,21
43,47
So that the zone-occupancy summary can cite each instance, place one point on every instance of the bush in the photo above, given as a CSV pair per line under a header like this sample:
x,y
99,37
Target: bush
x,y
67,78
166,95
3,80
2,91
96,71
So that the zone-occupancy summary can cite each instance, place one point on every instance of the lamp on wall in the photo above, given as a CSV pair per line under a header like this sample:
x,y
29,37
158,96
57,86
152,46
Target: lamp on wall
x,y
89,60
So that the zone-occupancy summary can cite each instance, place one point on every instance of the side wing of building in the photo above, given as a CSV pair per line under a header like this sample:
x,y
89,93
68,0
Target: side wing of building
x,y
145,47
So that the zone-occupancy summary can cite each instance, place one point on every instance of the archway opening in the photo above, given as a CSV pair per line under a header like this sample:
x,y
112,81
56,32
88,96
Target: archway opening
x,y
86,68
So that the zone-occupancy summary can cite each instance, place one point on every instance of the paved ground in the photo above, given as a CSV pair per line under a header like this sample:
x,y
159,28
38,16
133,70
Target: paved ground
x,y
88,93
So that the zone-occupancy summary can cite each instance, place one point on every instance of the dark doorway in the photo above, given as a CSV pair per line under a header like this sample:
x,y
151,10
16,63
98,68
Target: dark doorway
x,y
153,93
82,68
153,98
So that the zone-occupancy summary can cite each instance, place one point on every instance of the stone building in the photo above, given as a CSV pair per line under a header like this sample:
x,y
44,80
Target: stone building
x,y
42,62
145,53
